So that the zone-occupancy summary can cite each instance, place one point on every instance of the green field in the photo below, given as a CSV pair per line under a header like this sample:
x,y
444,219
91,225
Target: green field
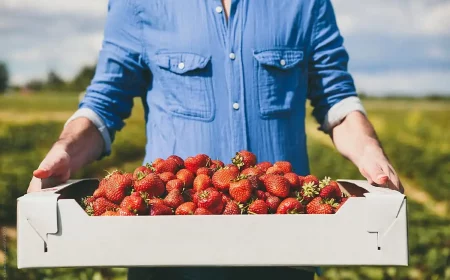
x,y
414,133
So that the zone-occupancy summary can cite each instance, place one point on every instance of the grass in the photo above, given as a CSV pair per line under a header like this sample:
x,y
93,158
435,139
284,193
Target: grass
x,y
415,135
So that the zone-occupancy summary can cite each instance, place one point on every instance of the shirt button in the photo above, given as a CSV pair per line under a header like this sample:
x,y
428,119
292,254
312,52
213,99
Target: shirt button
x,y
283,62
232,56
219,9
236,106
181,65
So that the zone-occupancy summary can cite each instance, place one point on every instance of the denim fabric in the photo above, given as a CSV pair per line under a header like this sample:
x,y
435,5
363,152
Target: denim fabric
x,y
216,86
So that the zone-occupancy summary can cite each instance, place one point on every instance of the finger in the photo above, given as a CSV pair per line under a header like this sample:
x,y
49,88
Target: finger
x,y
376,174
366,175
42,173
35,185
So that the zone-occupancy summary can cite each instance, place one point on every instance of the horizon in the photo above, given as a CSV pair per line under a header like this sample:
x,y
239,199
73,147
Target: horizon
x,y
398,47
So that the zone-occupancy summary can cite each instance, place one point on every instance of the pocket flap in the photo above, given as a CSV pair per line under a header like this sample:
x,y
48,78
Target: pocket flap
x,y
279,58
181,62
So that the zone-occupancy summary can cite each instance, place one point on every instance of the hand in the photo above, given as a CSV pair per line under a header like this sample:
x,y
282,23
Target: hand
x,y
53,170
375,167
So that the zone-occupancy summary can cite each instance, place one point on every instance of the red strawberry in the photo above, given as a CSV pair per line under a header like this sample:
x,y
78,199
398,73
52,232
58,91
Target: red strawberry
x,y
311,179
124,212
202,182
205,170
222,178
100,191
151,184
290,206
258,207
157,161
260,194
209,198
274,170
174,199
273,202
186,176
216,164
319,206
153,201
117,187
301,180
141,171
88,200
329,192
232,208
337,194
285,166
252,171
187,208
174,184
202,211
225,198
168,165
100,206
309,191
188,195
194,163
134,203
277,185
294,181
217,208
244,159
160,209
110,213
232,167
264,166
241,189
178,160
167,176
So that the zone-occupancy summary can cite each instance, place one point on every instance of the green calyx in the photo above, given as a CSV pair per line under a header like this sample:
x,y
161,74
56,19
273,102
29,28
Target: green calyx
x,y
240,177
324,182
309,189
238,160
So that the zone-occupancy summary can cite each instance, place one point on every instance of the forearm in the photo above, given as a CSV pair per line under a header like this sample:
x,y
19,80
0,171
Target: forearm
x,y
82,141
354,135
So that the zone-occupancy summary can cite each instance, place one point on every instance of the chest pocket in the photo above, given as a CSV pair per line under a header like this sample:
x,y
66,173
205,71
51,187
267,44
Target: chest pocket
x,y
278,73
187,83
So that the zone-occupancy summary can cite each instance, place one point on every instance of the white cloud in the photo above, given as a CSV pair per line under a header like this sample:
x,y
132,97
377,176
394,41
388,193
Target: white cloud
x,y
91,7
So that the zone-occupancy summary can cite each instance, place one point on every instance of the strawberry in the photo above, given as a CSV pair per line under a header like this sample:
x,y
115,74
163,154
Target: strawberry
x,y
174,184
151,184
284,166
117,187
244,159
202,211
88,200
217,208
188,195
260,194
277,185
141,171
167,176
100,206
274,170
330,185
205,170
226,198
186,176
329,192
319,206
157,161
241,189
222,178
202,182
293,180
273,202
100,191
232,208
124,212
311,179
134,203
160,209
264,166
209,198
174,199
194,163
153,201
252,171
258,207
301,180
232,167
110,213
178,160
216,164
187,208
290,206
309,191
168,165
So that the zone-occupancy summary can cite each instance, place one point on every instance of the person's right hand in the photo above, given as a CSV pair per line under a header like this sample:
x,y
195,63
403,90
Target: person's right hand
x,y
53,170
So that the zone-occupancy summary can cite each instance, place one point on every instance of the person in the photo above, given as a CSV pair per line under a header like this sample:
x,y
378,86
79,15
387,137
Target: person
x,y
216,77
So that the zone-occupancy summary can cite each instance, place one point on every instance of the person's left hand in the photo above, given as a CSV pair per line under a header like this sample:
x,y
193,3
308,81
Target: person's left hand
x,y
375,167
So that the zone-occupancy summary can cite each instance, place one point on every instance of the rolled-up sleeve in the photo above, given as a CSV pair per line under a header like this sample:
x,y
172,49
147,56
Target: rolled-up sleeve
x,y
331,89
120,75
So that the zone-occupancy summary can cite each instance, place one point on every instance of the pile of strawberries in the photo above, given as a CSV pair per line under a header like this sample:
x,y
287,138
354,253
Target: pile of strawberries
x,y
200,185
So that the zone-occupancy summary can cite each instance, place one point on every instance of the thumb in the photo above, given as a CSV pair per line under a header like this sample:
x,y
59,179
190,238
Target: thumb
x,y
45,169
376,174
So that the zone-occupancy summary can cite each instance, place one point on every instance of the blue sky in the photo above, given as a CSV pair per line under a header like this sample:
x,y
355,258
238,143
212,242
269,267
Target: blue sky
x,y
400,46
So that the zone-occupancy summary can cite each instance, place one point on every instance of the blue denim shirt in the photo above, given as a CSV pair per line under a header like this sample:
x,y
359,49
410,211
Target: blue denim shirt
x,y
216,86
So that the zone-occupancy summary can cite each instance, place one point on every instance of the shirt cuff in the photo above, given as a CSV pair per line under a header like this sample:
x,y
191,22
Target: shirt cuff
x,y
340,110
98,122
